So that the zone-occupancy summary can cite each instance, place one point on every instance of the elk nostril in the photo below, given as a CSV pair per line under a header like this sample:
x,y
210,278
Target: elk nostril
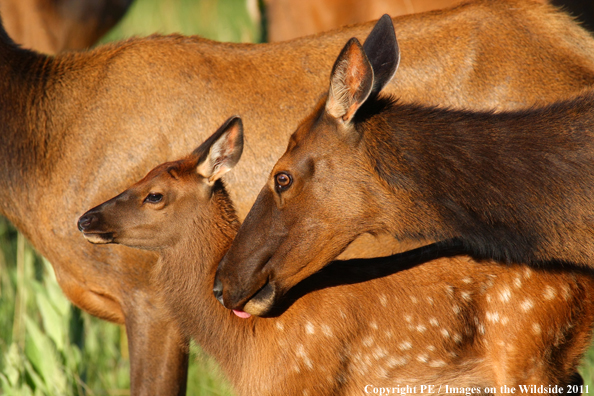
x,y
84,222
218,290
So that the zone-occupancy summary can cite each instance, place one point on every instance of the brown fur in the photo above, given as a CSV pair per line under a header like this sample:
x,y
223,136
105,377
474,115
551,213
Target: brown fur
x,y
79,127
52,26
451,321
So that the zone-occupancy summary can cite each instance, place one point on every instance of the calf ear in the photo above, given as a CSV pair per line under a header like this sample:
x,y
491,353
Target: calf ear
x,y
220,152
381,48
350,82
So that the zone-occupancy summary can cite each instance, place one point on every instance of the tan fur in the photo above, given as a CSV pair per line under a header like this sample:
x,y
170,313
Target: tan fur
x,y
78,128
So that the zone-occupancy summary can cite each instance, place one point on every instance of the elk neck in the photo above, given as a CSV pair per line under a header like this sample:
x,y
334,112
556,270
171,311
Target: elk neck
x,y
514,186
29,137
186,272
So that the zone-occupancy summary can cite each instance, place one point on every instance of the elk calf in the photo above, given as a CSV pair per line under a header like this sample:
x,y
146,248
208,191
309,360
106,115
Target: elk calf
x,y
515,186
450,321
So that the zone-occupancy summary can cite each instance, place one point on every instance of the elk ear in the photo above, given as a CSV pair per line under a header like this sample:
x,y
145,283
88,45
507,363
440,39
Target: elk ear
x,y
381,48
350,82
220,152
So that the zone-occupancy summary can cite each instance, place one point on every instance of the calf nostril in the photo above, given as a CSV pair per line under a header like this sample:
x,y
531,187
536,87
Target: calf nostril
x,y
84,222
218,290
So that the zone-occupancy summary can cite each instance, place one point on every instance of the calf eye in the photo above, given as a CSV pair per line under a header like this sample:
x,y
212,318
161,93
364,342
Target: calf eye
x,y
282,181
153,198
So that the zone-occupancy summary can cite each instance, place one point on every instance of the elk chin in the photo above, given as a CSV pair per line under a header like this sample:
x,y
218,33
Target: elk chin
x,y
262,302
99,239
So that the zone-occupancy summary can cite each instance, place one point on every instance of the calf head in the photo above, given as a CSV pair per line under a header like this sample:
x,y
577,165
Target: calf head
x,y
157,211
309,211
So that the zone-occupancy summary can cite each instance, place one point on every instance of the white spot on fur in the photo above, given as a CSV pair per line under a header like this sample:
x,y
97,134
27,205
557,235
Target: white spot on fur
x,y
437,363
445,333
450,290
536,329
527,305
309,328
327,330
566,292
488,297
421,328
431,348
368,341
279,325
457,338
467,280
408,318
466,296
549,293
413,299
456,309
518,282
504,320
430,300
389,334
481,329
379,353
405,346
373,325
423,358
303,355
505,294
383,300
433,322
492,317
397,361
527,272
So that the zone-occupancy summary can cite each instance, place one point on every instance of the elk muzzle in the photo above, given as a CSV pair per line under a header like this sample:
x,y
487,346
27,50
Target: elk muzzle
x,y
90,225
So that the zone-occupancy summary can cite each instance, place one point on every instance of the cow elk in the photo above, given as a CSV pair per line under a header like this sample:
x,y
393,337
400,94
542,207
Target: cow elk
x,y
79,127
450,321
514,186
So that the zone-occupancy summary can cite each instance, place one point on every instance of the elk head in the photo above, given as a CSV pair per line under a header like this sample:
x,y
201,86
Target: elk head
x,y
173,193
308,212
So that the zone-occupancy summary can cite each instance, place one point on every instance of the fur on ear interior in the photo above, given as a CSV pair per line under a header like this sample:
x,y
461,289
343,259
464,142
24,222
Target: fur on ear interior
x,y
350,82
225,147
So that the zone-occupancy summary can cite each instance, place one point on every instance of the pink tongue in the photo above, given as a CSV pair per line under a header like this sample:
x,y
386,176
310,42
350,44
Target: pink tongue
x,y
241,314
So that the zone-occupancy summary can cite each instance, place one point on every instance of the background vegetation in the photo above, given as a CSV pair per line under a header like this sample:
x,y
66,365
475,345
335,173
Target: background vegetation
x,y
49,347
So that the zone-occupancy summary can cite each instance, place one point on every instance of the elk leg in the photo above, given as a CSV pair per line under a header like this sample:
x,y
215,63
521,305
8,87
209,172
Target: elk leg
x,y
158,356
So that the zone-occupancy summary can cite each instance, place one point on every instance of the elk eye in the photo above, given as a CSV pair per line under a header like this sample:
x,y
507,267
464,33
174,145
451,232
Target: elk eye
x,y
282,181
153,198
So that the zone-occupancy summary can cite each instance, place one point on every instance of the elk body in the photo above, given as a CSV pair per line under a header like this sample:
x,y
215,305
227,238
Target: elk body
x,y
450,321
290,19
513,186
79,127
